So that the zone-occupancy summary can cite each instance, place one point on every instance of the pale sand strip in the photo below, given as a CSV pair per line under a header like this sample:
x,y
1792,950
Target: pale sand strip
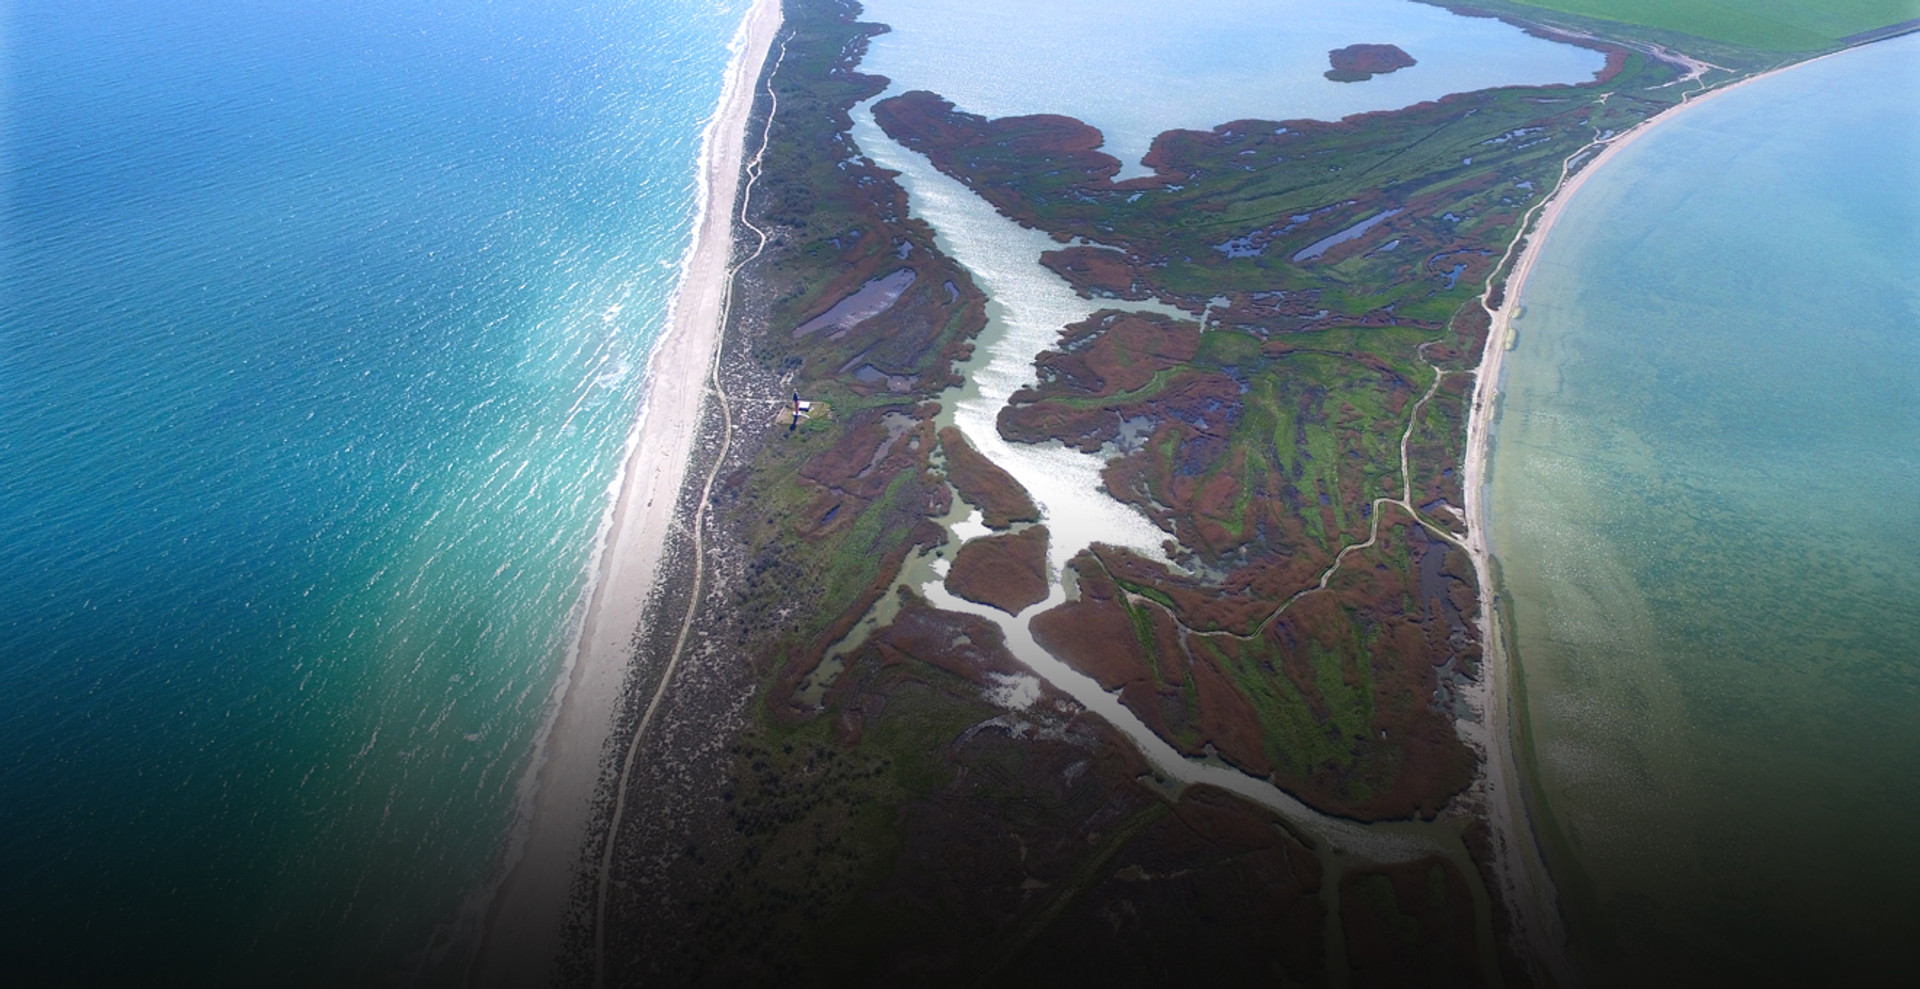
x,y
1519,865
524,919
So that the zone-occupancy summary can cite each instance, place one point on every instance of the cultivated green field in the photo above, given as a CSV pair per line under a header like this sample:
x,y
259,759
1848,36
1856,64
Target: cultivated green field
x,y
1772,25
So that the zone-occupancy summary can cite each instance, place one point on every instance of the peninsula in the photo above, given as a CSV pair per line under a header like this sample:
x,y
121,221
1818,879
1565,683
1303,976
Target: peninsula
x,y
877,730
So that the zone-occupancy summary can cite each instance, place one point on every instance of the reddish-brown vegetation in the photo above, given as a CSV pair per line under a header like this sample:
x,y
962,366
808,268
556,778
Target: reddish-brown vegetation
x,y
878,461
921,820
1099,272
1437,446
1175,236
934,122
1111,353
967,646
1137,651
1357,63
1008,572
1000,498
1334,697
1018,856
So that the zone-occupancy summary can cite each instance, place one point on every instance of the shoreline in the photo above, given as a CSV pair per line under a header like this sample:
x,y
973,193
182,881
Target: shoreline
x,y
523,909
1519,863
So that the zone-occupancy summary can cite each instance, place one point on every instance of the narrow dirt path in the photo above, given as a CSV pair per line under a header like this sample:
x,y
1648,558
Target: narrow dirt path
x,y
752,172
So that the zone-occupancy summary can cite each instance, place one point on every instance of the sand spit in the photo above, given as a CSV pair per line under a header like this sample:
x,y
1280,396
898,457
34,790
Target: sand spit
x,y
1518,863
525,910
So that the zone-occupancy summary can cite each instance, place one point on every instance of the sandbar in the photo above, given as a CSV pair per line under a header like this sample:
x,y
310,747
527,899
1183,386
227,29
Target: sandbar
x,y
526,905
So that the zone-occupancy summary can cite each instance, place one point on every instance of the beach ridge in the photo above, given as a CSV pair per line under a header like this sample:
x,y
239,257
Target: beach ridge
x,y
526,905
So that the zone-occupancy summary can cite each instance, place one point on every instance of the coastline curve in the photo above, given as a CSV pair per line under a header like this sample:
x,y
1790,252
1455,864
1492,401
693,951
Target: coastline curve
x,y
1519,865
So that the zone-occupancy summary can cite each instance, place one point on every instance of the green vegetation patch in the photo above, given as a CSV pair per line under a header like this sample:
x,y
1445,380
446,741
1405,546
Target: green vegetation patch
x,y
1315,705
1770,25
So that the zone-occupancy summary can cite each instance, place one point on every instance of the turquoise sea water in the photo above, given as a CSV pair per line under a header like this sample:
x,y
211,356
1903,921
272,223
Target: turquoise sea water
x,y
1706,509
322,326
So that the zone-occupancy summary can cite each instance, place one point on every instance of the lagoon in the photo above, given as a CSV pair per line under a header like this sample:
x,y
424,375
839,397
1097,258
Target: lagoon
x,y
1135,69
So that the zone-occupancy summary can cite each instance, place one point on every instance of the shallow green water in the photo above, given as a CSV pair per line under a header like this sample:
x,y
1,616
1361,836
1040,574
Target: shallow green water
x,y
1706,507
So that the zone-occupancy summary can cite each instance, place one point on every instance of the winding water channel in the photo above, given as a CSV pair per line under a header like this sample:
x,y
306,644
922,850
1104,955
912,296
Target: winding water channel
x,y
1030,305
1173,69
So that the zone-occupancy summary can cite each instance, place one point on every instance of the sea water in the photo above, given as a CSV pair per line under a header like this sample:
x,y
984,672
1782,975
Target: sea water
x,y
323,328
1705,507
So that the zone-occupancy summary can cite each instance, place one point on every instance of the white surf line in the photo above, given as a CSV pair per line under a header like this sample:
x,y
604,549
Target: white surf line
x,y
519,913
752,172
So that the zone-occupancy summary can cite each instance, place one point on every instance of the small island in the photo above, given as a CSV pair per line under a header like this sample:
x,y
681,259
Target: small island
x,y
1358,63
1008,572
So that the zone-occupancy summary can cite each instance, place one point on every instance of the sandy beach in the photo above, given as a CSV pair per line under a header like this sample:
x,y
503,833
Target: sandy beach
x,y
527,906
1518,862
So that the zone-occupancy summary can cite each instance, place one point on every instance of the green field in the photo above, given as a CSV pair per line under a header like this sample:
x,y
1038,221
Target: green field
x,y
1771,25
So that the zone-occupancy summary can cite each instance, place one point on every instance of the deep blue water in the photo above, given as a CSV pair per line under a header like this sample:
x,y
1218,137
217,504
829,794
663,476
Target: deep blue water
x,y
321,330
